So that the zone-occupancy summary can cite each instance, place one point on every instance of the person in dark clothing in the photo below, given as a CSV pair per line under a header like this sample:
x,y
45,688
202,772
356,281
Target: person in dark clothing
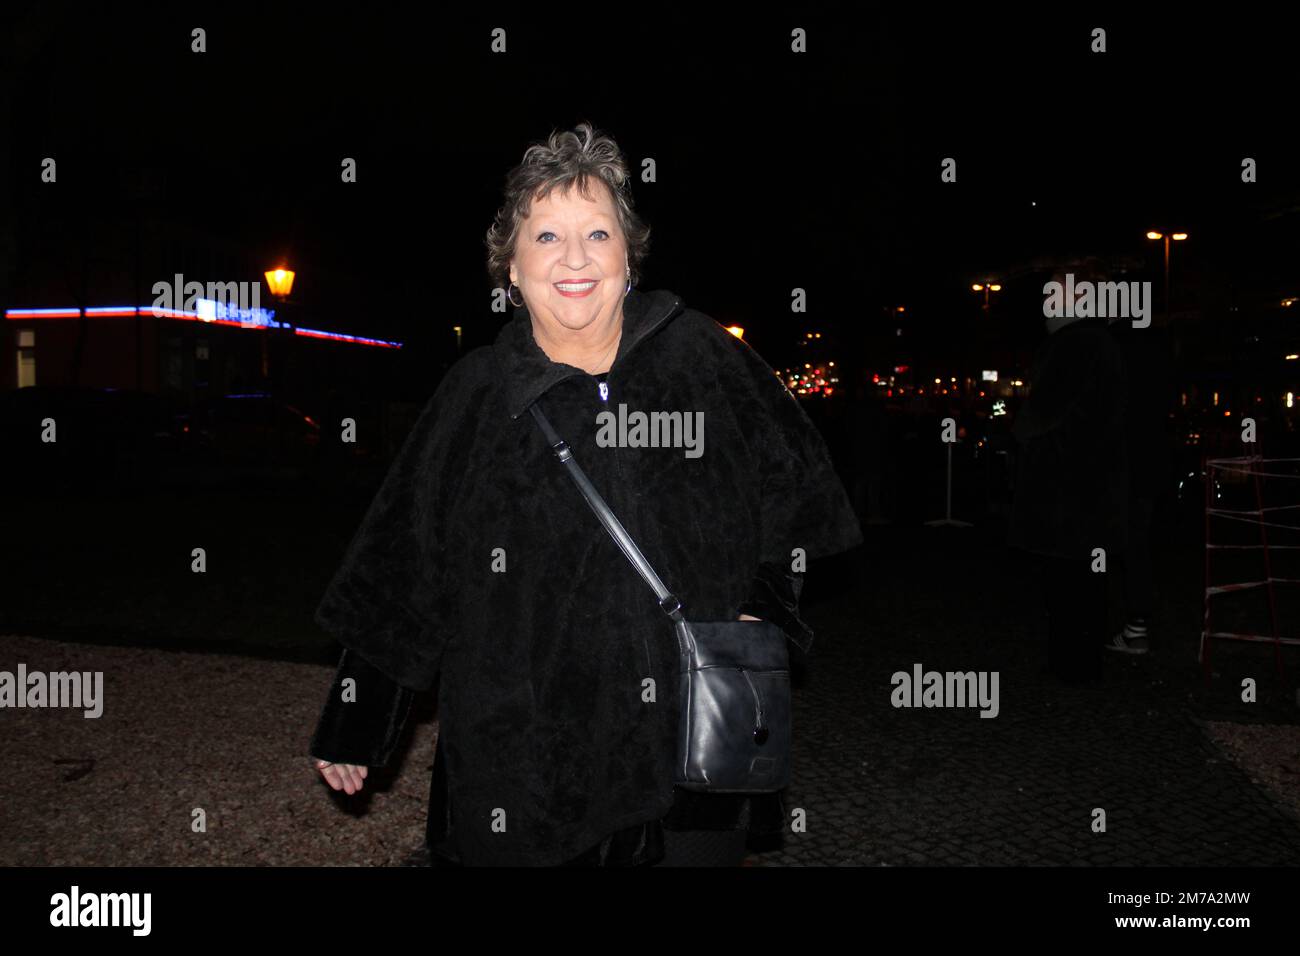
x,y
1148,373
869,454
480,572
1071,495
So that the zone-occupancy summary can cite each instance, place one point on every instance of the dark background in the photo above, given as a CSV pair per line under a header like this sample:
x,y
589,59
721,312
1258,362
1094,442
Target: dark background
x,y
774,171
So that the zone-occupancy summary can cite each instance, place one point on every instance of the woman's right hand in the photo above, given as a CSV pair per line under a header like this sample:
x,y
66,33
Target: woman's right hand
x,y
341,776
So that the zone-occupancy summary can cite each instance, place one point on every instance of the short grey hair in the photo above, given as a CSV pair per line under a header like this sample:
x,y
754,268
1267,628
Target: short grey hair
x,y
576,156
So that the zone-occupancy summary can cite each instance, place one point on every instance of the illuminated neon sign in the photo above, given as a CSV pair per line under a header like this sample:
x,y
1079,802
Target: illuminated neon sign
x,y
341,337
208,310
214,310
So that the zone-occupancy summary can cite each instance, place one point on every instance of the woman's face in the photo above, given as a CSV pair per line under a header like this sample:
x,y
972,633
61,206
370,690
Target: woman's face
x,y
564,239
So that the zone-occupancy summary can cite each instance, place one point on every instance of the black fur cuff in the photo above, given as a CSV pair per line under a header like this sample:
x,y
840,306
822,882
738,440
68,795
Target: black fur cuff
x,y
774,596
364,730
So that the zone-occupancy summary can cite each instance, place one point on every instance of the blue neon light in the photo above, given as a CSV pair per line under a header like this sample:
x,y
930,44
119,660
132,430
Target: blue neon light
x,y
212,310
349,338
208,310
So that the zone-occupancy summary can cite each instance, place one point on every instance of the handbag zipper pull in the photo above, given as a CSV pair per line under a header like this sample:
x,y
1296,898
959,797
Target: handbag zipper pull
x,y
760,732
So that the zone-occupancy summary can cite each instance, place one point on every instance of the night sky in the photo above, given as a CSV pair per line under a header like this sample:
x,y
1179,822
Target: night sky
x,y
774,170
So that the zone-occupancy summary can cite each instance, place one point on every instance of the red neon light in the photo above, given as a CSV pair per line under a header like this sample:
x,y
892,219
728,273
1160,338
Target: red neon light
x,y
341,338
26,315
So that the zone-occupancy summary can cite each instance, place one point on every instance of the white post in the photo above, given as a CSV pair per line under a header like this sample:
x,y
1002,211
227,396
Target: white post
x,y
948,519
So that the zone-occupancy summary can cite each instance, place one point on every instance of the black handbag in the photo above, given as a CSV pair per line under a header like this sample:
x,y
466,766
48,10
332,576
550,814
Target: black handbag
x,y
734,733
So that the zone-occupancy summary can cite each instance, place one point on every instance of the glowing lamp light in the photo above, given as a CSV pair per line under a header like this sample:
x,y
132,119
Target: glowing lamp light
x,y
995,288
977,287
1155,235
280,282
737,331
1179,236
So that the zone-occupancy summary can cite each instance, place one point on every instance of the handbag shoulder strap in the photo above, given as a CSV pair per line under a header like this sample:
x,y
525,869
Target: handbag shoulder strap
x,y
667,601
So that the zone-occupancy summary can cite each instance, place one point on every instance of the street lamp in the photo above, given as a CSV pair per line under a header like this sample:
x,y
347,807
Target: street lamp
x,y
986,287
280,281
1166,236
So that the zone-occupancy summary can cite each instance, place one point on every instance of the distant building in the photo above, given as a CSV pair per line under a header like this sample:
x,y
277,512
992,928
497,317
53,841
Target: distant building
x,y
193,352
98,318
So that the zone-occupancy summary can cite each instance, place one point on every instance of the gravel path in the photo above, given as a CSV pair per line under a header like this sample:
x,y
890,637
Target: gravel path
x,y
1269,754
182,732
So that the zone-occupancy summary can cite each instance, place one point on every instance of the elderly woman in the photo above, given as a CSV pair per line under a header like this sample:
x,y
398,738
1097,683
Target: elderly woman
x,y
481,569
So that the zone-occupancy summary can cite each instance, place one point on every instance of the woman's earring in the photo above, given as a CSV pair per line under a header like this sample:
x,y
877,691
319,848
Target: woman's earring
x,y
629,282
512,301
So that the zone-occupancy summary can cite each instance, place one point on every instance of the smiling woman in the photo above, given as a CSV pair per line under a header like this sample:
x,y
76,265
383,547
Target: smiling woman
x,y
570,240
480,569
572,278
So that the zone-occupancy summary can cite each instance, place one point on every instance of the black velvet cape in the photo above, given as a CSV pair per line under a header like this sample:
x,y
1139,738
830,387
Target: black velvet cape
x,y
479,568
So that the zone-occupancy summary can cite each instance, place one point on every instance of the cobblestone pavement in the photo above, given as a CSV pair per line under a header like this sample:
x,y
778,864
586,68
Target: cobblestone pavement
x,y
879,785
906,786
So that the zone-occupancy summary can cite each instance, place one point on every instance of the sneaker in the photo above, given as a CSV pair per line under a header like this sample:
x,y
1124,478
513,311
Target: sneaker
x,y
1131,640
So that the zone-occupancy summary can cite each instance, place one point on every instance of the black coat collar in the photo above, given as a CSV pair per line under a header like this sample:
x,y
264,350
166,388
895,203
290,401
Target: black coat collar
x,y
528,372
